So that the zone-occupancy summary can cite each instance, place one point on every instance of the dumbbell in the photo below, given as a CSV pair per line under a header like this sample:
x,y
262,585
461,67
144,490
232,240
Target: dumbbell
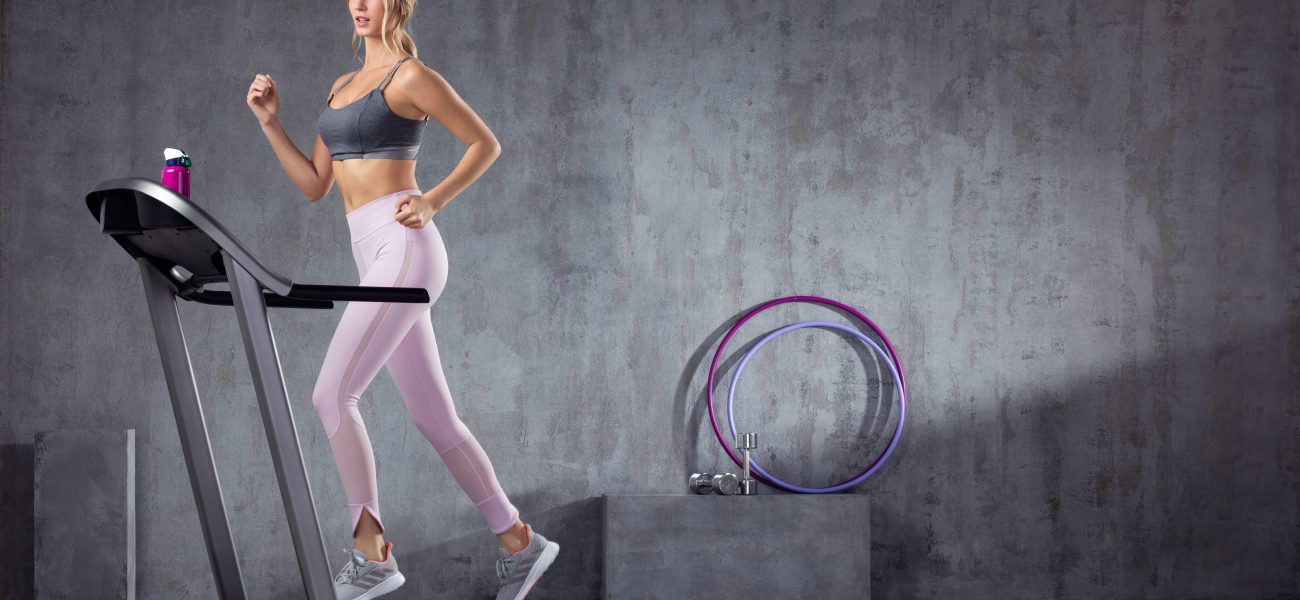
x,y
726,484
748,441
701,483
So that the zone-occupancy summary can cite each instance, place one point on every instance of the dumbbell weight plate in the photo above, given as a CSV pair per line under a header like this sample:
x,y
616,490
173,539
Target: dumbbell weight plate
x,y
726,484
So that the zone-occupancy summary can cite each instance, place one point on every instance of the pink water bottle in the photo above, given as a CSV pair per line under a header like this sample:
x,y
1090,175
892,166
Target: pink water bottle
x,y
176,175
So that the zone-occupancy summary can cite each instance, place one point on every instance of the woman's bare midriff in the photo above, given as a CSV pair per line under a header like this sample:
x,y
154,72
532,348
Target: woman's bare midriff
x,y
361,180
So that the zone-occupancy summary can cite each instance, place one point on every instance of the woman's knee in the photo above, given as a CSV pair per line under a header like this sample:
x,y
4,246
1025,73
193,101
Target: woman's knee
x,y
326,400
444,434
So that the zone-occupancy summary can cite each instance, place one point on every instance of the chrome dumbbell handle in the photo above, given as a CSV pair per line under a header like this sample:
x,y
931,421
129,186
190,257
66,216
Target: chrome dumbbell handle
x,y
747,486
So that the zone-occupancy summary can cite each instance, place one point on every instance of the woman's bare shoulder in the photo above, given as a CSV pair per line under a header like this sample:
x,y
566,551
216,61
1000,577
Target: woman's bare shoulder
x,y
419,73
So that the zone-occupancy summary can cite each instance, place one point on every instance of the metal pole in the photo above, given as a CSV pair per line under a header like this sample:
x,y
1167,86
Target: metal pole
x,y
193,432
277,417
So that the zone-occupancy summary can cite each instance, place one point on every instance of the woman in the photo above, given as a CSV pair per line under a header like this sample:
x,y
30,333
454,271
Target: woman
x,y
369,135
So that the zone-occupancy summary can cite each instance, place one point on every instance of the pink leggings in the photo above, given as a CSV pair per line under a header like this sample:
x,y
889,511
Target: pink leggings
x,y
399,336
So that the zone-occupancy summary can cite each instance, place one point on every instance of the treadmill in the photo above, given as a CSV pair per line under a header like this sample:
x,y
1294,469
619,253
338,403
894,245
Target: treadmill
x,y
180,250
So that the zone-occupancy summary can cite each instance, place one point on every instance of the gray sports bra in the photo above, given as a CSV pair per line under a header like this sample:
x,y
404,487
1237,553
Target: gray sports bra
x,y
368,128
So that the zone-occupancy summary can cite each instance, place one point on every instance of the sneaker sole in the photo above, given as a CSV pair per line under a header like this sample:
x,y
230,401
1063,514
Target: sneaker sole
x,y
384,587
543,563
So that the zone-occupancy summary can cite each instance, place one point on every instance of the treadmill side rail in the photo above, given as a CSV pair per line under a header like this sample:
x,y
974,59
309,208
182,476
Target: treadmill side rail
x,y
193,432
281,435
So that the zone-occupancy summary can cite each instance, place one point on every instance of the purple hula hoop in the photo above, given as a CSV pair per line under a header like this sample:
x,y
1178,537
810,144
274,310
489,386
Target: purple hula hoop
x,y
713,419
875,348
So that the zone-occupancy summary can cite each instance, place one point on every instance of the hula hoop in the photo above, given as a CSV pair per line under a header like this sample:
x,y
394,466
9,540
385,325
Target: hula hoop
x,y
713,366
731,419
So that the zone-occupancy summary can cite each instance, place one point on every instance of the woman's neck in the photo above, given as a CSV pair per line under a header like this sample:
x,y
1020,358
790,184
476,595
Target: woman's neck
x,y
382,58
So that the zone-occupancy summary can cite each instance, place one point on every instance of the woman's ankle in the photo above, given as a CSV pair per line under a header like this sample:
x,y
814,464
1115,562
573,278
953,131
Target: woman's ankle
x,y
374,551
516,538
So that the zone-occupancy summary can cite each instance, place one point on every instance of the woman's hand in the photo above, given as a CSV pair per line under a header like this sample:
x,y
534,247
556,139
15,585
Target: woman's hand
x,y
263,99
413,211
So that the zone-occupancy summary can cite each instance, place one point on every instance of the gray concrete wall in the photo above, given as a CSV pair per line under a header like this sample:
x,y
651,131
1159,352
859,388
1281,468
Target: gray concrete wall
x,y
1077,221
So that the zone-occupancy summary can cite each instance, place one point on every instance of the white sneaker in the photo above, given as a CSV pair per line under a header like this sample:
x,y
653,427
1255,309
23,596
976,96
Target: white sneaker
x,y
363,579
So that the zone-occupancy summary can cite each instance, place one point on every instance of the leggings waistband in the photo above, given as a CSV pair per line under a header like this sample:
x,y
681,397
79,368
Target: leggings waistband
x,y
368,217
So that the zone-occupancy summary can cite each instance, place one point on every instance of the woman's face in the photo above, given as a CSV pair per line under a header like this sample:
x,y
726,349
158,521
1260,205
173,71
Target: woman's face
x,y
367,15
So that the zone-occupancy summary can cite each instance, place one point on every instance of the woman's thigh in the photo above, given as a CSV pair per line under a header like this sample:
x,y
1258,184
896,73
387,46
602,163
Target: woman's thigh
x,y
416,369
369,332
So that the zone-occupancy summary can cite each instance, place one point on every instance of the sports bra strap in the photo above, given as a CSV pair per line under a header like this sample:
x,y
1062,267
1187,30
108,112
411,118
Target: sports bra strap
x,y
340,86
390,73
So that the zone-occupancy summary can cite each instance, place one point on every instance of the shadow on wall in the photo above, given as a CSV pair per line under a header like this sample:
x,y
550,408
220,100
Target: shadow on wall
x,y
17,503
1168,477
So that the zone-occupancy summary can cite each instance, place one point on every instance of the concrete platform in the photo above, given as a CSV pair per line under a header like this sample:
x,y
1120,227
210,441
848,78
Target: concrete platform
x,y
771,545
84,514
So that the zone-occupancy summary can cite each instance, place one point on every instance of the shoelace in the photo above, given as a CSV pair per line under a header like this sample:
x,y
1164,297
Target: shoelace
x,y
505,566
349,572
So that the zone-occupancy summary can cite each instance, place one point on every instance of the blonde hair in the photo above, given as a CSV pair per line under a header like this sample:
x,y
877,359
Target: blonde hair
x,y
401,11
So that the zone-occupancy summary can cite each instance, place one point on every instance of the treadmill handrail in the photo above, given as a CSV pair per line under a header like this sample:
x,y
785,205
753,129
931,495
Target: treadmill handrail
x,y
272,281
361,293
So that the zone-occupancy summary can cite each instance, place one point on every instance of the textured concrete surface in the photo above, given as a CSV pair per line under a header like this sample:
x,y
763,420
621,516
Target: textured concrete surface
x,y
1077,220
662,547
84,518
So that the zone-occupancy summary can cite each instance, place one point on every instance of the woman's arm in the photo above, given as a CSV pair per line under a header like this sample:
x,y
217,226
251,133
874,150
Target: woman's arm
x,y
313,177
430,93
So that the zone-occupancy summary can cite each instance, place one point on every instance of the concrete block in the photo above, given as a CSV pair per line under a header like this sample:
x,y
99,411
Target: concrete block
x,y
676,546
84,514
